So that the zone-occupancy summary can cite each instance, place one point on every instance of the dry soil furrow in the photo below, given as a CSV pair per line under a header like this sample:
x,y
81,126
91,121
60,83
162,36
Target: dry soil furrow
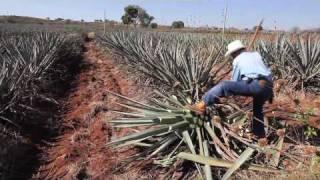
x,y
80,151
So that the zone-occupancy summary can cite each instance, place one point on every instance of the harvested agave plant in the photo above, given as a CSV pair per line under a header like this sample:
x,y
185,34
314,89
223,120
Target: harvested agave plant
x,y
172,131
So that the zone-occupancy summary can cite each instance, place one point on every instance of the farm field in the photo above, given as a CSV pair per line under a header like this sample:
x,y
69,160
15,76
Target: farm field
x,y
144,93
115,107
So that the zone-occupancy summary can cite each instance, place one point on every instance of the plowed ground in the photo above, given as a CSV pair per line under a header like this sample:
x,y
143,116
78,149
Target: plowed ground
x,y
80,152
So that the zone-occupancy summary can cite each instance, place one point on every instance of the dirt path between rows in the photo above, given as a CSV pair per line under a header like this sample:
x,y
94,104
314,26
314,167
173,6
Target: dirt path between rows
x,y
80,151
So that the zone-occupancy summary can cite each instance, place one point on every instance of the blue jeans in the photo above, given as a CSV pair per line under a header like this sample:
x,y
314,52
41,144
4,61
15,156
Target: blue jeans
x,y
244,88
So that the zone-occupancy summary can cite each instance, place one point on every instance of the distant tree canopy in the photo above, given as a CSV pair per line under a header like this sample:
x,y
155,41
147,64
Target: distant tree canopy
x,y
59,19
177,24
126,19
154,25
68,21
136,15
132,11
259,27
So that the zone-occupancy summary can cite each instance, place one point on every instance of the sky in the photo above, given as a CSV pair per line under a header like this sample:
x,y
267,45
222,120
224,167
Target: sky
x,y
280,14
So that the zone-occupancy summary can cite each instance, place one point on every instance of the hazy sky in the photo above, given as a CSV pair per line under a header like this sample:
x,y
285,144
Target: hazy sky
x,y
284,14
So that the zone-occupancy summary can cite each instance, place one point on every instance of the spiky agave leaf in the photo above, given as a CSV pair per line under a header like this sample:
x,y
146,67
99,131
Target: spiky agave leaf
x,y
242,159
223,163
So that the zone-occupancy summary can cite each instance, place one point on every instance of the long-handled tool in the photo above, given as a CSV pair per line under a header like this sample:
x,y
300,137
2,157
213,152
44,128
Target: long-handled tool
x,y
249,48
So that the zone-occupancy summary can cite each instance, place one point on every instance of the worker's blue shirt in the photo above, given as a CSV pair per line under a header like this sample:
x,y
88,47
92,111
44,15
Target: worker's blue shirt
x,y
249,64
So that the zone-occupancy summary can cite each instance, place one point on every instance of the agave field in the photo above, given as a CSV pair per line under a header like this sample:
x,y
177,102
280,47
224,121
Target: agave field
x,y
182,67
37,68
31,64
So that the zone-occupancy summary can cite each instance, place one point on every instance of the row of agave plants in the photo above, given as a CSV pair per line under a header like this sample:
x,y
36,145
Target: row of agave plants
x,y
295,59
32,65
183,66
180,62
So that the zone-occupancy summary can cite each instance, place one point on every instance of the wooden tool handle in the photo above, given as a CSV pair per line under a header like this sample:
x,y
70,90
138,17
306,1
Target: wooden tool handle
x,y
255,36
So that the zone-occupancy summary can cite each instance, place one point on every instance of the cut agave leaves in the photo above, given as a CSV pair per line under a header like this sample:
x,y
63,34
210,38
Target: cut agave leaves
x,y
164,128
223,163
242,159
151,132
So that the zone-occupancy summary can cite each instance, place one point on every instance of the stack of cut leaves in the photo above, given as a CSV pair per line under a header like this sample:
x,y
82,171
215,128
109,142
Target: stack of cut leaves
x,y
170,130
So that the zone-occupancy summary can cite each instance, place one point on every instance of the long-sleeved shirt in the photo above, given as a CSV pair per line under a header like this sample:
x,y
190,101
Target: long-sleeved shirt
x,y
248,64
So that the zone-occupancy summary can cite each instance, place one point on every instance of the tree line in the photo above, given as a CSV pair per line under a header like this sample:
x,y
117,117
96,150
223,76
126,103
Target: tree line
x,y
135,15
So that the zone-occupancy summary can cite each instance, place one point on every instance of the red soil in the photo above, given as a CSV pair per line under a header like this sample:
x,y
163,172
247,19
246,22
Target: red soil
x,y
289,105
80,151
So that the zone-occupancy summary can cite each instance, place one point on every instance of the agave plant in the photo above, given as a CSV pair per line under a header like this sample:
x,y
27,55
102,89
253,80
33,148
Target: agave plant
x,y
26,59
305,58
179,64
296,60
168,130
29,67
276,55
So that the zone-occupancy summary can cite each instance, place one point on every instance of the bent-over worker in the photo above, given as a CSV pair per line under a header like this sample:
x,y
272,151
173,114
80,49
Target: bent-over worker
x,y
250,77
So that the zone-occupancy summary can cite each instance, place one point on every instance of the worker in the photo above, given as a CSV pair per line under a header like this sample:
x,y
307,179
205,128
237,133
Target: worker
x,y
250,77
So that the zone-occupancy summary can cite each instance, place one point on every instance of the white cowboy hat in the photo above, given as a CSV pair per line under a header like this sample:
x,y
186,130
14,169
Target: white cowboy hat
x,y
234,46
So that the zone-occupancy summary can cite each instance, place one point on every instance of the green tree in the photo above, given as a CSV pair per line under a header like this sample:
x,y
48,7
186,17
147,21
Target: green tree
x,y
59,19
177,24
130,15
126,19
132,11
135,14
144,18
154,25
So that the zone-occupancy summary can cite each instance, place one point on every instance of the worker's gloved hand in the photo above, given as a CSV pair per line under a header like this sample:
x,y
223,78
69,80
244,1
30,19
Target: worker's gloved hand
x,y
199,108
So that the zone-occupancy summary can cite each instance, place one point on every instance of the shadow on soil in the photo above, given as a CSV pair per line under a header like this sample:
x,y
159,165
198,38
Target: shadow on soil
x,y
41,126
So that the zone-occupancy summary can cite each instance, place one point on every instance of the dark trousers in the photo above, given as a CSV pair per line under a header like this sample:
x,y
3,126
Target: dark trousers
x,y
244,88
